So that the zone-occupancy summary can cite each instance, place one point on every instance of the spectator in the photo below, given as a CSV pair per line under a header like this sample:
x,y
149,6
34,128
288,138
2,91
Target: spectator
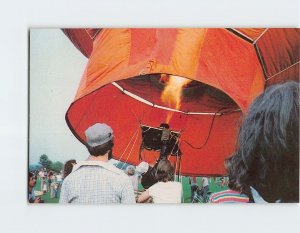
x,y
44,185
95,180
265,166
68,167
204,187
53,186
194,187
50,178
223,181
45,172
41,174
165,190
31,194
130,171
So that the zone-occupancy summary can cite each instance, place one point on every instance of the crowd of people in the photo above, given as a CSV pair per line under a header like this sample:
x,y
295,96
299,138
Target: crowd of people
x,y
263,169
49,181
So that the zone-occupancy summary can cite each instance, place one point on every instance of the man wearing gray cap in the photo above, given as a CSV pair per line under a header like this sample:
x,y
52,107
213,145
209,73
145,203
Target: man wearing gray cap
x,y
96,181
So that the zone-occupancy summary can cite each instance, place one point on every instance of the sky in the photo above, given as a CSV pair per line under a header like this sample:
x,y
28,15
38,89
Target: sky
x,y
56,67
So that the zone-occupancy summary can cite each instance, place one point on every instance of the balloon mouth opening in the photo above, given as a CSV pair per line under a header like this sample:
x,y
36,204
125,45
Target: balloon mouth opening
x,y
177,94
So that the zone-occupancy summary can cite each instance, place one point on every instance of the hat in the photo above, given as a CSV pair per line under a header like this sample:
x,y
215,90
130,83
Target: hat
x,y
129,167
98,134
142,167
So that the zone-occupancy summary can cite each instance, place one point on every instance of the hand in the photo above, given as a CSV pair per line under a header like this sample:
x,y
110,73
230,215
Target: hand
x,y
144,197
37,200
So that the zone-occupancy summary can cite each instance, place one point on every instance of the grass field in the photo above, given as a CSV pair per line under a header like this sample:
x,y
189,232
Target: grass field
x,y
213,187
46,197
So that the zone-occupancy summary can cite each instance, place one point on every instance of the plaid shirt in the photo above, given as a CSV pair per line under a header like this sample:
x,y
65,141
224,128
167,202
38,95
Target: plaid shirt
x,y
95,182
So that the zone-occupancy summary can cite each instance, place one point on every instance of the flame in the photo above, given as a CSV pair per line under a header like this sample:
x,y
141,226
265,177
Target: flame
x,y
172,94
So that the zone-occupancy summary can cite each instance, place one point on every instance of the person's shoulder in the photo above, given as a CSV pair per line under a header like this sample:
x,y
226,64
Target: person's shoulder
x,y
115,170
119,175
223,192
229,194
220,194
69,178
152,189
178,185
175,183
158,185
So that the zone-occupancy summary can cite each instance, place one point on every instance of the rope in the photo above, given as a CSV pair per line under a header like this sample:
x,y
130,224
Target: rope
x,y
130,151
175,168
179,172
180,180
134,134
283,70
177,139
209,132
255,41
142,144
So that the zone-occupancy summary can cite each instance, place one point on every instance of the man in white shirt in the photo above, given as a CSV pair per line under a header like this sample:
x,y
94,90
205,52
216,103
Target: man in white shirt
x,y
204,187
96,181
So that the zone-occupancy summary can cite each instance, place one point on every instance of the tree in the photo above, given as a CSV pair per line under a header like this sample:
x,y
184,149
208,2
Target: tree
x,y
44,161
34,167
56,166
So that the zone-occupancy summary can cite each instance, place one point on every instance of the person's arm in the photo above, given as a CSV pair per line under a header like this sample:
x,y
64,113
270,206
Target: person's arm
x,y
144,197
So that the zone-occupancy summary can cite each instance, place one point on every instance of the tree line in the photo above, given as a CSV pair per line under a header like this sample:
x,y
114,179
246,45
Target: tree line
x,y
45,162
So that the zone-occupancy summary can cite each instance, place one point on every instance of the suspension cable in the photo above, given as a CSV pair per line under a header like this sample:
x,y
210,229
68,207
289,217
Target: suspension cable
x,y
130,151
209,131
134,134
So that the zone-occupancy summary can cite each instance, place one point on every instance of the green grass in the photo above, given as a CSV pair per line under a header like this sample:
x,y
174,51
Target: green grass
x,y
213,187
186,188
46,197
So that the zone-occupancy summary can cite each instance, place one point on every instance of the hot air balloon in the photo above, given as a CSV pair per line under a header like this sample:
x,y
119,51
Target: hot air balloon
x,y
216,74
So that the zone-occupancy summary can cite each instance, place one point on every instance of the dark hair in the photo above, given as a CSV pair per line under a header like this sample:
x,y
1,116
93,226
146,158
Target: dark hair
x,y
267,156
30,174
50,173
101,149
165,171
68,167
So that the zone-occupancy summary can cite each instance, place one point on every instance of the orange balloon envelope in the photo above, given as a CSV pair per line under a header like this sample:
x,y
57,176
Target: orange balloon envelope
x,y
128,70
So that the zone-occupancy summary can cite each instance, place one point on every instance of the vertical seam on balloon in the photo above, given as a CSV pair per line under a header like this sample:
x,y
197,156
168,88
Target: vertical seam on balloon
x,y
261,61
129,47
88,33
282,70
84,115
131,109
240,34
254,42
96,33
199,52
